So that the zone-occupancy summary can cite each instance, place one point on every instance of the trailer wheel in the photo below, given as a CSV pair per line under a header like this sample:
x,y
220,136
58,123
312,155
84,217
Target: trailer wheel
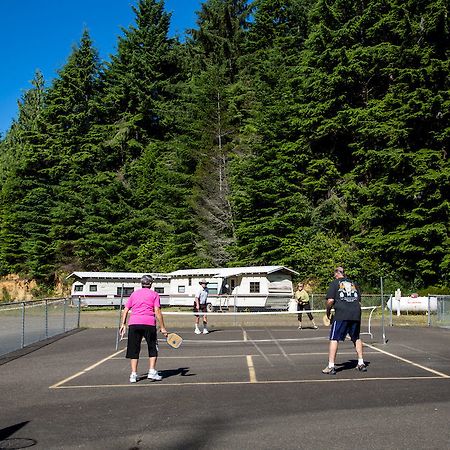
x,y
209,307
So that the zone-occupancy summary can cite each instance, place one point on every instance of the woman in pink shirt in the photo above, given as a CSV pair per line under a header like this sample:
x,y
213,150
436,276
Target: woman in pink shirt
x,y
145,310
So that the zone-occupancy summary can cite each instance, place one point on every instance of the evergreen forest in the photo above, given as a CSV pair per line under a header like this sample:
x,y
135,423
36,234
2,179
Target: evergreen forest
x,y
304,133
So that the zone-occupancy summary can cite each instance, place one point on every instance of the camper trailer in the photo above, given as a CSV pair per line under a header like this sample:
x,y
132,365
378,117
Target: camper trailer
x,y
235,288
112,288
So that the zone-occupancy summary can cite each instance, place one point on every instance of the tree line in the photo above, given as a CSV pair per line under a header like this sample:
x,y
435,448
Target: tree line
x,y
306,133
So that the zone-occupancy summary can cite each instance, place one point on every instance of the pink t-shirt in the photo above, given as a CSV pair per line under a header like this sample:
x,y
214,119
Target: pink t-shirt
x,y
142,304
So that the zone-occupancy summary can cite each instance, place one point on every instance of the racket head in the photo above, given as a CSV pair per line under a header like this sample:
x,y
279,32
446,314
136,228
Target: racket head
x,y
174,340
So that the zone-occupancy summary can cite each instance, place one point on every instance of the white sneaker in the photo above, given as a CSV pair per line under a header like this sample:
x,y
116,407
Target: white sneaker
x,y
197,331
205,331
154,375
133,377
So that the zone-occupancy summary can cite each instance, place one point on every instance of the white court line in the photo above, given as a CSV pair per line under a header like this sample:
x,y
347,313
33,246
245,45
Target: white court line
x,y
239,341
254,383
241,355
85,370
443,375
280,347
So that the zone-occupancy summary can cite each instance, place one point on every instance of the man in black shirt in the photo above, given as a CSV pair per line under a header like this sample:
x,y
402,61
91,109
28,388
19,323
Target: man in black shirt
x,y
345,297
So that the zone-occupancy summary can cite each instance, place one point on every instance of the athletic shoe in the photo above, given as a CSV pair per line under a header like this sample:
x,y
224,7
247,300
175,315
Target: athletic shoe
x,y
133,377
329,371
205,331
362,367
315,327
300,327
154,375
197,331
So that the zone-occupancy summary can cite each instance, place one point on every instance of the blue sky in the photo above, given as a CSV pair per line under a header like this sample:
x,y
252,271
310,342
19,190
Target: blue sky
x,y
40,34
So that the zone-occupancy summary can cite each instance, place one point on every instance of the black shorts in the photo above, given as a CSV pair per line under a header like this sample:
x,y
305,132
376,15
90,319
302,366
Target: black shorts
x,y
202,309
135,335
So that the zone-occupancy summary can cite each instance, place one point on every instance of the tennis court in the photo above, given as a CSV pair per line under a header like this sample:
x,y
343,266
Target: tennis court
x,y
236,387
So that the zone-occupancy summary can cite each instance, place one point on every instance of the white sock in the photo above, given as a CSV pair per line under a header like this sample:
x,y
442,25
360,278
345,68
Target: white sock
x,y
360,361
152,371
330,364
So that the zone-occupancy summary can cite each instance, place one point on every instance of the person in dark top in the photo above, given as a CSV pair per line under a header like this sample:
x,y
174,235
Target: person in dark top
x,y
345,297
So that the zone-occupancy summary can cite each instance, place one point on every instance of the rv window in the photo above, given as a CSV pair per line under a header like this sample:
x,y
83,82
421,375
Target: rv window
x,y
212,288
159,290
181,289
93,288
78,288
254,286
127,291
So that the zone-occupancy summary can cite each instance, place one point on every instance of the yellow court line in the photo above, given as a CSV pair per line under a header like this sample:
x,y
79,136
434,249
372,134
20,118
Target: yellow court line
x,y
251,369
224,383
443,375
57,385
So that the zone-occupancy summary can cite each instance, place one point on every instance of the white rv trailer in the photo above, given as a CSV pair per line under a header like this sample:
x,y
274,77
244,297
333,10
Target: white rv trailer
x,y
235,287
110,288
229,288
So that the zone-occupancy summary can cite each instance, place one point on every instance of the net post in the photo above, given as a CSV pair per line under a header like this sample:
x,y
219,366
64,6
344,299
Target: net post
x,y
429,311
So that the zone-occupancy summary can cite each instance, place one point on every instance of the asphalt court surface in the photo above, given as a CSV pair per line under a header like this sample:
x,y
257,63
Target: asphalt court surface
x,y
242,388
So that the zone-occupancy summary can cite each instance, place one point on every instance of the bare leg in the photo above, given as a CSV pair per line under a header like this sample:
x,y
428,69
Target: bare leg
x,y
152,362
359,348
134,364
332,352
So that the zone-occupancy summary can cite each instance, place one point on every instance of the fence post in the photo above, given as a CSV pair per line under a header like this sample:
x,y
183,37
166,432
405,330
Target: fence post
x,y
429,311
22,341
64,316
79,312
120,318
382,310
392,307
46,318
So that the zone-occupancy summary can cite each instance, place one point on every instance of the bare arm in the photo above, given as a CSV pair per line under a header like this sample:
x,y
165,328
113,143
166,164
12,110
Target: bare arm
x,y
123,322
160,319
330,303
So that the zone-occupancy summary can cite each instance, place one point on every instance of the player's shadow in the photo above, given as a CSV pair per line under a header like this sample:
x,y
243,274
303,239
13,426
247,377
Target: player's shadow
x,y
6,441
351,364
181,371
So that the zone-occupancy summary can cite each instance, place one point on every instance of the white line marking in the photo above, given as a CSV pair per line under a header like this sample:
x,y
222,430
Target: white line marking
x,y
255,354
218,383
239,341
280,348
85,370
443,375
251,369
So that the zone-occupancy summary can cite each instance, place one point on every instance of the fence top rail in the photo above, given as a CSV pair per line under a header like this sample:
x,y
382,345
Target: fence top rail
x,y
32,302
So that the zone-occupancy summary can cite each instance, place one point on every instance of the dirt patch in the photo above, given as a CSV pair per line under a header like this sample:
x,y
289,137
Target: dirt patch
x,y
12,288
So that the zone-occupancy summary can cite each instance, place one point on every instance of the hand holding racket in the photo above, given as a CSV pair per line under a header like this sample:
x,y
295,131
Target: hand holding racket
x,y
122,331
327,321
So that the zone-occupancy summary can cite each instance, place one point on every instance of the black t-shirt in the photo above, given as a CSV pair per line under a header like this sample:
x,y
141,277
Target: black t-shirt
x,y
347,299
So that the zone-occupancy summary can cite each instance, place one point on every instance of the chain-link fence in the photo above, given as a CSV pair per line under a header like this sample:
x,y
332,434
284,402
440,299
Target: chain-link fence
x,y
24,323
439,316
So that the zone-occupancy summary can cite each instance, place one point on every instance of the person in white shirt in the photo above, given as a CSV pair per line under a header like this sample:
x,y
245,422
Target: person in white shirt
x,y
201,297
